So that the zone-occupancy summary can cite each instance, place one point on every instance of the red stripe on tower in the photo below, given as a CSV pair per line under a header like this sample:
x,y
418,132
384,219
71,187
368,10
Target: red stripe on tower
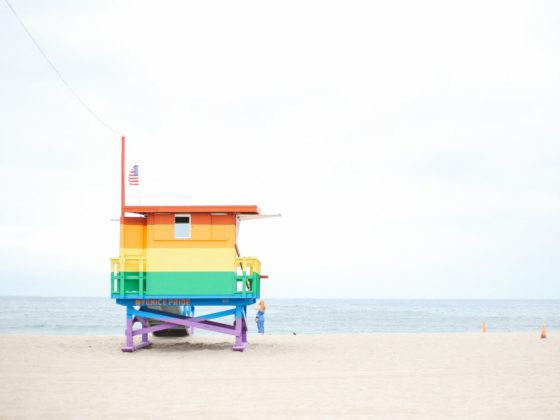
x,y
133,178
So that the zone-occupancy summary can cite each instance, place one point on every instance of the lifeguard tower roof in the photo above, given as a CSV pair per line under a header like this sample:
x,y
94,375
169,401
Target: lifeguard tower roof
x,y
254,210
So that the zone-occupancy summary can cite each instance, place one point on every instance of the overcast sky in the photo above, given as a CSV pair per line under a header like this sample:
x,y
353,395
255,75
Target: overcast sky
x,y
412,147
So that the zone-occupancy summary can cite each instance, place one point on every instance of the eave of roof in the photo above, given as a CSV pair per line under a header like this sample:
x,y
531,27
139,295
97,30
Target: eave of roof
x,y
193,209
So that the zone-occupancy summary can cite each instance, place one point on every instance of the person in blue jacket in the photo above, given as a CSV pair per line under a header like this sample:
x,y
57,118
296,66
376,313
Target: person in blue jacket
x,y
261,309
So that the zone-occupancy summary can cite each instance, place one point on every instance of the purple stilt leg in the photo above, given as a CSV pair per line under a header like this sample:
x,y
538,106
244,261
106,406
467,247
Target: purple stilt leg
x,y
240,334
145,324
244,330
128,333
130,320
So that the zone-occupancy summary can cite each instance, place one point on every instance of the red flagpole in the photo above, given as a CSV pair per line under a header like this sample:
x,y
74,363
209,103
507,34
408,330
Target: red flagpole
x,y
122,176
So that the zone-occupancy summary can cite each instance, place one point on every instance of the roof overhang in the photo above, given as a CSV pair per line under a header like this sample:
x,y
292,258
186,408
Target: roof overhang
x,y
242,217
241,210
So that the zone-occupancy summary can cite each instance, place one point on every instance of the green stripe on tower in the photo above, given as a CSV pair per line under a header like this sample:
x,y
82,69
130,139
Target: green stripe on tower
x,y
181,283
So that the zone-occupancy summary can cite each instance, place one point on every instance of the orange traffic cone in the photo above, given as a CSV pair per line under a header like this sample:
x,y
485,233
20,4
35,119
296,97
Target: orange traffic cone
x,y
484,329
543,332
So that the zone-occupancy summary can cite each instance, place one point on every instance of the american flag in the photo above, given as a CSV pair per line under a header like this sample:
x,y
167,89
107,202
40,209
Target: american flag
x,y
133,176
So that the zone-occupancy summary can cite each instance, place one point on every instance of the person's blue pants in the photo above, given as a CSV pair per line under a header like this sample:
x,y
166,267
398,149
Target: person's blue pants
x,y
260,324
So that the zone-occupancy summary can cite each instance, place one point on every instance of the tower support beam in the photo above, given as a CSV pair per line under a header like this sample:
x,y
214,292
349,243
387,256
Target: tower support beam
x,y
143,315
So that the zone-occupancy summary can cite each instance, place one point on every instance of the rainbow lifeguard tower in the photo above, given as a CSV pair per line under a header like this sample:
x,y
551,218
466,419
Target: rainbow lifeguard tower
x,y
175,258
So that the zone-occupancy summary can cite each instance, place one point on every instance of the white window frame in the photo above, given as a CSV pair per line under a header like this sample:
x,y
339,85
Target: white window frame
x,y
175,225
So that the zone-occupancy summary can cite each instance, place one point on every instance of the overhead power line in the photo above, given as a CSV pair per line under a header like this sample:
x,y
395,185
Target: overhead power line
x,y
80,100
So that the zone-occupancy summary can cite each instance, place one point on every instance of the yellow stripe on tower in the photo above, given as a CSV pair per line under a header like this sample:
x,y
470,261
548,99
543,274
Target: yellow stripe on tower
x,y
185,259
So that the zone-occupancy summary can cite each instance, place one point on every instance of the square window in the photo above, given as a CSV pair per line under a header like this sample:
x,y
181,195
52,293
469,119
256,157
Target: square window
x,y
182,226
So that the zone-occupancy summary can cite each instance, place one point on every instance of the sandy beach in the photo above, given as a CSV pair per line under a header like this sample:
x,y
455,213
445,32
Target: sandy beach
x,y
393,376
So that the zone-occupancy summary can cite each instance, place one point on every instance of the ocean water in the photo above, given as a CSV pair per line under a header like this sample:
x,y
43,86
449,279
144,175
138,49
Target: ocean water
x,y
101,316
